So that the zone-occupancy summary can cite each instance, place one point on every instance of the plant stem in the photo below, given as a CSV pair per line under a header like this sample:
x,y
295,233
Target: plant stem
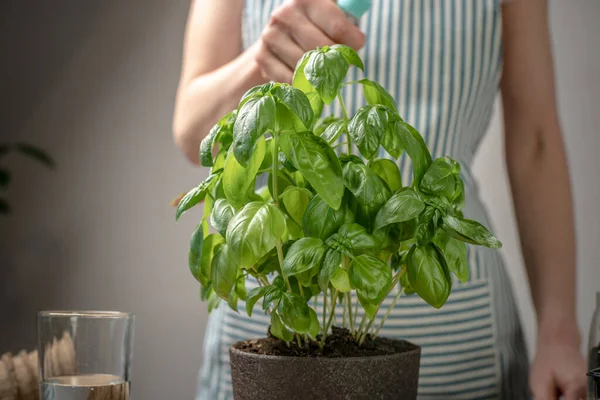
x,y
360,328
345,114
349,305
275,163
366,332
387,313
332,313
264,280
348,299
324,310
345,308
394,283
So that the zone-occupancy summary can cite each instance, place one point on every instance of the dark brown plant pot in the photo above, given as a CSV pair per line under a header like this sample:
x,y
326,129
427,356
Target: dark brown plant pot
x,y
388,377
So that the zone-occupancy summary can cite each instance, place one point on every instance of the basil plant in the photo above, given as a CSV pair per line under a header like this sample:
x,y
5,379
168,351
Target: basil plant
x,y
295,210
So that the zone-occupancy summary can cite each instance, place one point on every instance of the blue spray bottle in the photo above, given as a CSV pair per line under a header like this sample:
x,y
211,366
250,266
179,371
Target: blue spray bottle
x,y
354,9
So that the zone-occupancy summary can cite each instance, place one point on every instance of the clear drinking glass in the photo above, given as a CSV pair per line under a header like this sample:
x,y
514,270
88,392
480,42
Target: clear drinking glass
x,y
85,355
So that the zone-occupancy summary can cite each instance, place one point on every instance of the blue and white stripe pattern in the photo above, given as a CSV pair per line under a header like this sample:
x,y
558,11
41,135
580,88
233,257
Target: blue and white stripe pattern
x,y
441,60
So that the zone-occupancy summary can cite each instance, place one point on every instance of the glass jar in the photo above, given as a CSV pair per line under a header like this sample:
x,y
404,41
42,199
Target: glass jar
x,y
594,354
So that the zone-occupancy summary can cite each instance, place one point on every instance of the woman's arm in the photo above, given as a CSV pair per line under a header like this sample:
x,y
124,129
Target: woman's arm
x,y
539,177
215,73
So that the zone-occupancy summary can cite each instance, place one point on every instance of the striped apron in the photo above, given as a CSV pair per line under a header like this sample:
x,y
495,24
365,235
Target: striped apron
x,y
441,60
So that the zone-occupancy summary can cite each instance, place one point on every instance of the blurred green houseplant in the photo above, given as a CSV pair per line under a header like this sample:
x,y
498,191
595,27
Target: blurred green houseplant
x,y
27,150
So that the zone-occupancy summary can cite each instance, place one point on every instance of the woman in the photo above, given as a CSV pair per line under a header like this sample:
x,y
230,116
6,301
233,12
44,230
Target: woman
x,y
442,61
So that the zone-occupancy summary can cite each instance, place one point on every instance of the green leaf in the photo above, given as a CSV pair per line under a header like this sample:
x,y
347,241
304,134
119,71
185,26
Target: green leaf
x,y
408,290
316,103
368,188
213,301
321,221
303,255
350,55
353,239
237,179
294,312
370,306
367,128
315,327
375,94
297,102
425,229
232,300
440,179
388,171
458,199
253,120
220,216
4,178
240,287
313,157
333,131
219,161
470,231
224,271
341,281
211,243
253,93
331,262
194,196
392,141
4,207
428,275
293,229
268,264
267,161
322,123
299,80
272,295
370,276
195,255
279,330
326,70
36,153
205,291
295,201
402,206
255,295
417,150
223,127
254,231
283,182
455,254
238,292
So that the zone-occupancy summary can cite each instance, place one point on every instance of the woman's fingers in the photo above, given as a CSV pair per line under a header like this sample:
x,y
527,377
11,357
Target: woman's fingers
x,y
292,20
297,27
273,69
333,22
282,46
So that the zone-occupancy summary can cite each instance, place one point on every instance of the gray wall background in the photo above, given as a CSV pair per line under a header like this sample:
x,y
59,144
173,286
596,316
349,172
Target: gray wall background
x,y
94,83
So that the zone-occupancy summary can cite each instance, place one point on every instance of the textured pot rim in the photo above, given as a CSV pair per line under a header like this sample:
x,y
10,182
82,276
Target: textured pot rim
x,y
413,349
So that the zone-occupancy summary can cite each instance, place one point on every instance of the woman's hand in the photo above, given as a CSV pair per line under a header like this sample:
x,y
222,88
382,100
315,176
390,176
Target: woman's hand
x,y
297,27
558,368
